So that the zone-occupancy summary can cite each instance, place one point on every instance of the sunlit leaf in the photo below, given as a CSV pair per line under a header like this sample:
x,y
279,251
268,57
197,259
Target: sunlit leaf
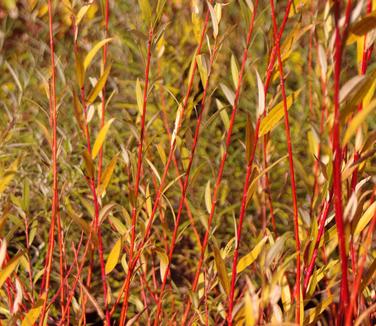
x,y
113,257
248,259
100,138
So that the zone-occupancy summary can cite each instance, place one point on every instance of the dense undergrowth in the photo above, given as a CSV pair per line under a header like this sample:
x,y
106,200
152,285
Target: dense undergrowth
x,y
180,162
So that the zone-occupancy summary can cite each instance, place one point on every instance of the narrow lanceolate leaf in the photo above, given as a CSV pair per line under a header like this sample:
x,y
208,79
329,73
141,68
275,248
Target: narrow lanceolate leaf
x,y
202,68
139,96
276,114
234,71
33,314
82,12
248,259
89,166
106,177
250,319
99,86
100,138
230,96
357,121
113,257
365,25
208,202
163,262
214,20
145,10
80,71
365,219
313,313
8,175
261,96
90,56
8,269
221,269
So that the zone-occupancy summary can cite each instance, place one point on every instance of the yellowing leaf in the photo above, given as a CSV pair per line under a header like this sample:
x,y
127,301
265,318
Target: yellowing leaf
x,y
221,268
89,166
163,263
106,176
90,56
81,13
230,96
139,96
208,201
366,217
364,25
33,314
113,257
214,20
9,268
202,68
99,85
250,319
357,121
8,176
248,259
234,71
261,96
313,313
100,138
145,10
276,114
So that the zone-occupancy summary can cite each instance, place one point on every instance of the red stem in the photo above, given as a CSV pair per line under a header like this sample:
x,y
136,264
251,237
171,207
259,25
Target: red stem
x,y
291,165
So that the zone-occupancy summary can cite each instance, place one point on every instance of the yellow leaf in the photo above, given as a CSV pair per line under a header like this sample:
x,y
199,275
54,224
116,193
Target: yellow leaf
x,y
276,114
33,314
163,262
366,217
208,201
248,310
234,71
90,56
81,13
139,96
221,268
99,86
248,259
113,257
357,121
8,176
106,176
9,268
313,313
202,68
100,138
145,10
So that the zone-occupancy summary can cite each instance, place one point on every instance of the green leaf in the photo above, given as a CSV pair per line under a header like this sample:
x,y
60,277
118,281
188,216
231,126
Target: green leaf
x,y
276,114
248,259
99,86
100,138
90,56
113,257
356,122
